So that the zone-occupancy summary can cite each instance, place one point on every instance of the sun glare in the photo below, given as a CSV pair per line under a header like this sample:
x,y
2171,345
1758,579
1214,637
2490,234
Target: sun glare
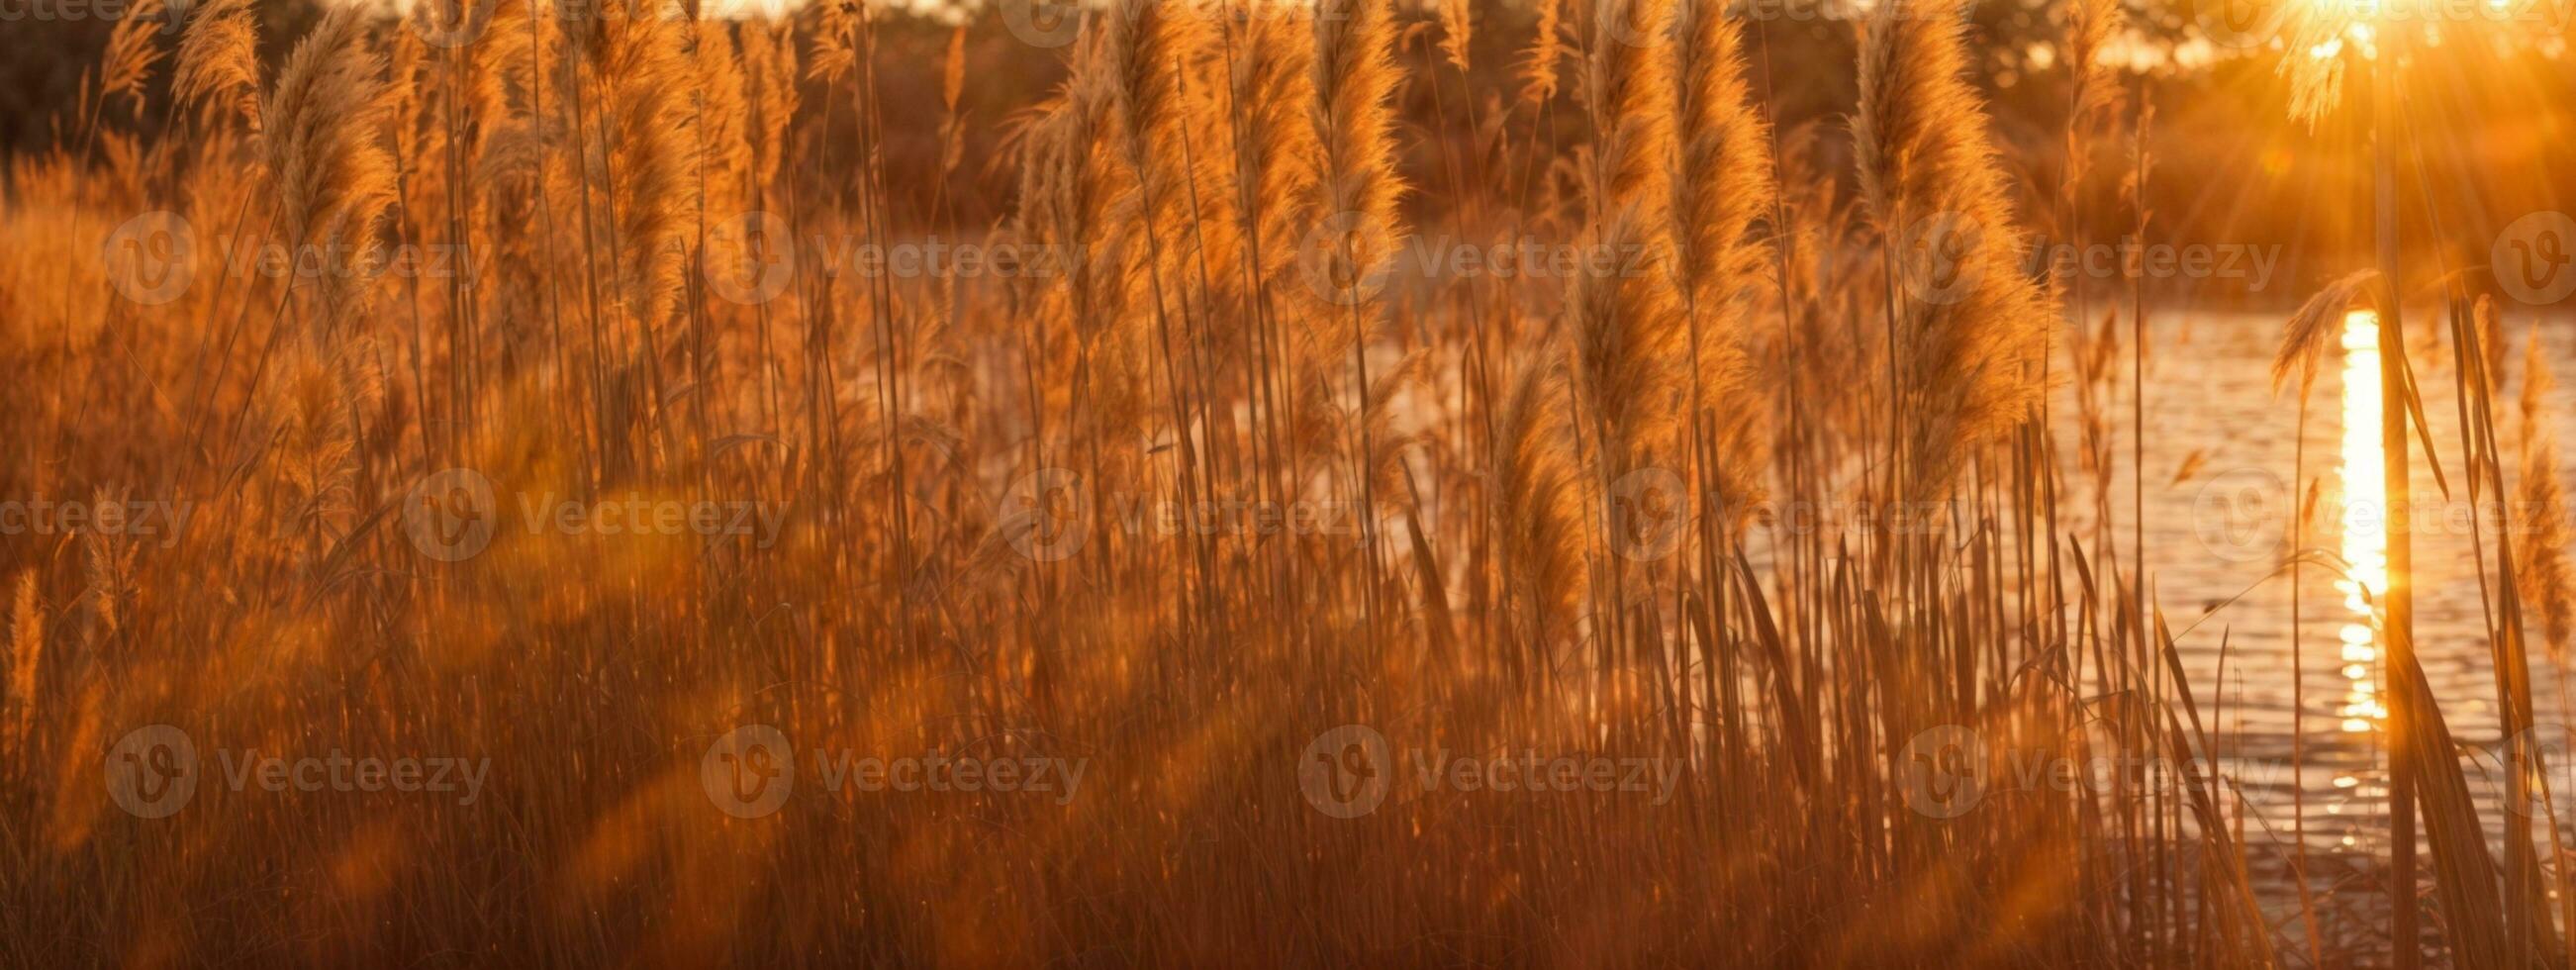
x,y
2365,540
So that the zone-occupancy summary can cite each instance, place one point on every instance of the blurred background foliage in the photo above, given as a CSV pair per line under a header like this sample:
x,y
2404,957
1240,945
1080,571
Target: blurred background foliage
x,y
2224,170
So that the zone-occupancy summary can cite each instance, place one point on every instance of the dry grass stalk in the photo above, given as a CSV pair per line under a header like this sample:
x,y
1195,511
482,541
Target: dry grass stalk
x,y
26,659
1970,349
218,66
132,53
1722,188
334,176
1184,166
2316,326
2540,505
1539,62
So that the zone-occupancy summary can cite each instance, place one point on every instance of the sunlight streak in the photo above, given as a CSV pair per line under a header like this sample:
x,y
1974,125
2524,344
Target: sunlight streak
x,y
2365,504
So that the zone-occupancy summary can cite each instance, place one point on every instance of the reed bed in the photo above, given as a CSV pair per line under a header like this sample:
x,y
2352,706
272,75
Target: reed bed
x,y
1761,506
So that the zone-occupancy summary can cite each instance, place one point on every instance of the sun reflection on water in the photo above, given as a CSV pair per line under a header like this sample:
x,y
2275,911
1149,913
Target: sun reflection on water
x,y
2365,540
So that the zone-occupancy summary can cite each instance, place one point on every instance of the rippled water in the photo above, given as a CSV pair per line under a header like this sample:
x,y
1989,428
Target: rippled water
x,y
2215,538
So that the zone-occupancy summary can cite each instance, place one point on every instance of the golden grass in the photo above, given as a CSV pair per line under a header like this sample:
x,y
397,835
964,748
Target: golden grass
x,y
962,477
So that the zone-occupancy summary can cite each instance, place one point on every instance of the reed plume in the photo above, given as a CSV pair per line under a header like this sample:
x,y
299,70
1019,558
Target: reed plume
x,y
1275,148
1457,28
334,177
1358,233
1160,56
1722,188
131,54
26,657
952,85
107,563
769,58
1539,63
505,152
1631,335
2316,81
1075,192
1970,338
1275,95
1536,512
316,417
1628,80
2541,519
2092,92
2089,26
1632,351
218,65
1357,179
2315,327
1149,45
724,145
2491,341
642,152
